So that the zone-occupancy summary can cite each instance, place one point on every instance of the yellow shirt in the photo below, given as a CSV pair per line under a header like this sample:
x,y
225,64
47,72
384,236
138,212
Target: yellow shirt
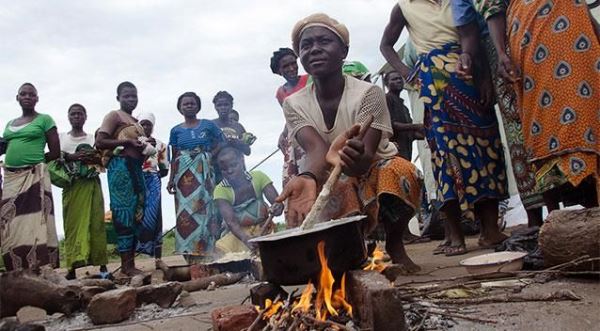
x,y
429,23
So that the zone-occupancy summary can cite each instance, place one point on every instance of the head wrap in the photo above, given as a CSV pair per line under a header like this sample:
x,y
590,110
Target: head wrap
x,y
322,20
147,117
356,69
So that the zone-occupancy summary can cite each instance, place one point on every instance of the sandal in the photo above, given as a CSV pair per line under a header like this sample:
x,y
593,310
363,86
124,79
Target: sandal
x,y
456,250
441,248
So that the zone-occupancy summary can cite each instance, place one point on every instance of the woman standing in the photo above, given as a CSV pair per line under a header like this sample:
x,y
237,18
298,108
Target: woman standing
x,y
240,199
284,63
155,167
323,119
461,129
28,233
83,204
119,136
555,46
192,179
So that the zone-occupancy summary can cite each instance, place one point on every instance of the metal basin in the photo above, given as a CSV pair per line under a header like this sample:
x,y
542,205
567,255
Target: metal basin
x,y
290,257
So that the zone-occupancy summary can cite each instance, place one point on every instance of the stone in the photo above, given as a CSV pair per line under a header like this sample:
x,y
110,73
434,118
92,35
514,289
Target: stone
x,y
157,277
112,306
261,292
375,301
198,271
162,294
140,280
88,292
31,314
12,325
233,318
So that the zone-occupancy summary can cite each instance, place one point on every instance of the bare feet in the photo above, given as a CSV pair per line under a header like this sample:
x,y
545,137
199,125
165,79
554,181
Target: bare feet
x,y
491,240
132,271
407,264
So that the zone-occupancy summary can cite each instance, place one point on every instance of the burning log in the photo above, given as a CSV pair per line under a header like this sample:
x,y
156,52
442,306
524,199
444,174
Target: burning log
x,y
568,234
218,280
261,292
23,288
319,307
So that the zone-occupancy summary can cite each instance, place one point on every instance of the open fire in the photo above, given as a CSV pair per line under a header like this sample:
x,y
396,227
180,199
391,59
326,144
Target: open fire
x,y
376,263
328,301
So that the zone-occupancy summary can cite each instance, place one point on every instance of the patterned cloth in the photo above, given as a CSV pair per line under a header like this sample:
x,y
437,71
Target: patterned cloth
x,y
293,156
250,214
27,229
389,192
554,44
198,224
127,194
158,161
523,171
467,155
150,230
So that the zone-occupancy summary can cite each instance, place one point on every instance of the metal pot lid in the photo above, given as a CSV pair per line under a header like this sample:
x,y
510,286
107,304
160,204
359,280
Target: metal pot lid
x,y
297,232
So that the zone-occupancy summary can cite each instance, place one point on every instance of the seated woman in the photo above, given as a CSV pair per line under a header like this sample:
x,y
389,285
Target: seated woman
x,y
323,119
239,198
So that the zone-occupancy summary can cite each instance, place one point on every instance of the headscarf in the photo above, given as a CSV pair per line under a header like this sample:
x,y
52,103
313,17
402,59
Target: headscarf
x,y
356,69
322,20
147,117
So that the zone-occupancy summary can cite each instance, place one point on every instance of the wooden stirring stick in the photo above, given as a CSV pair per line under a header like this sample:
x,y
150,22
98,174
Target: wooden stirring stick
x,y
323,197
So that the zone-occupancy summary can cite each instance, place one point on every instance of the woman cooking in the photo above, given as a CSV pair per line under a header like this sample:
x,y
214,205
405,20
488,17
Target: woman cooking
x,y
323,119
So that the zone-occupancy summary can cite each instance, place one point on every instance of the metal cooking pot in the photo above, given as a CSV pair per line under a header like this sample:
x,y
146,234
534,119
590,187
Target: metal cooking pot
x,y
290,257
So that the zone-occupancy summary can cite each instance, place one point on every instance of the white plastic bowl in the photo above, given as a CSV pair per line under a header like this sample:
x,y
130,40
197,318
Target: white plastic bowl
x,y
494,262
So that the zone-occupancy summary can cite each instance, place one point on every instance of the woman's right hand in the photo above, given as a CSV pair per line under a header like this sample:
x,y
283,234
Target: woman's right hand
x,y
300,194
171,187
464,66
506,69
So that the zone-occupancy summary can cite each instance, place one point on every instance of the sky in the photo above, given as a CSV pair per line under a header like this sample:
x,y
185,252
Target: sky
x,y
79,51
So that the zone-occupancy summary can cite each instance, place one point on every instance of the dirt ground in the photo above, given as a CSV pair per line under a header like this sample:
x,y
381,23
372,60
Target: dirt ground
x,y
581,315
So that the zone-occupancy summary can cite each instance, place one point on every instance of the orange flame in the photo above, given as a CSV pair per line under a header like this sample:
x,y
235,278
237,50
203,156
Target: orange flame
x,y
327,302
376,261
271,308
304,304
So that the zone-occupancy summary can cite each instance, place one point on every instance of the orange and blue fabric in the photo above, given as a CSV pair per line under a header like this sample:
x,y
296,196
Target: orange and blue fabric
x,y
466,150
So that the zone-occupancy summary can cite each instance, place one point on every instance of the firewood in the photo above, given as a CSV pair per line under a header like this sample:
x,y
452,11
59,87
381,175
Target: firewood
x,y
561,295
23,288
568,234
219,280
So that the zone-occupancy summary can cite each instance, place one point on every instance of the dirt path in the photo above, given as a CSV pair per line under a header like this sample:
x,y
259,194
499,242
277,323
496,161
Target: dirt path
x,y
582,315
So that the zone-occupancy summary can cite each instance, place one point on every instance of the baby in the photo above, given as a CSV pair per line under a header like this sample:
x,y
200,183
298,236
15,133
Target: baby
x,y
135,131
